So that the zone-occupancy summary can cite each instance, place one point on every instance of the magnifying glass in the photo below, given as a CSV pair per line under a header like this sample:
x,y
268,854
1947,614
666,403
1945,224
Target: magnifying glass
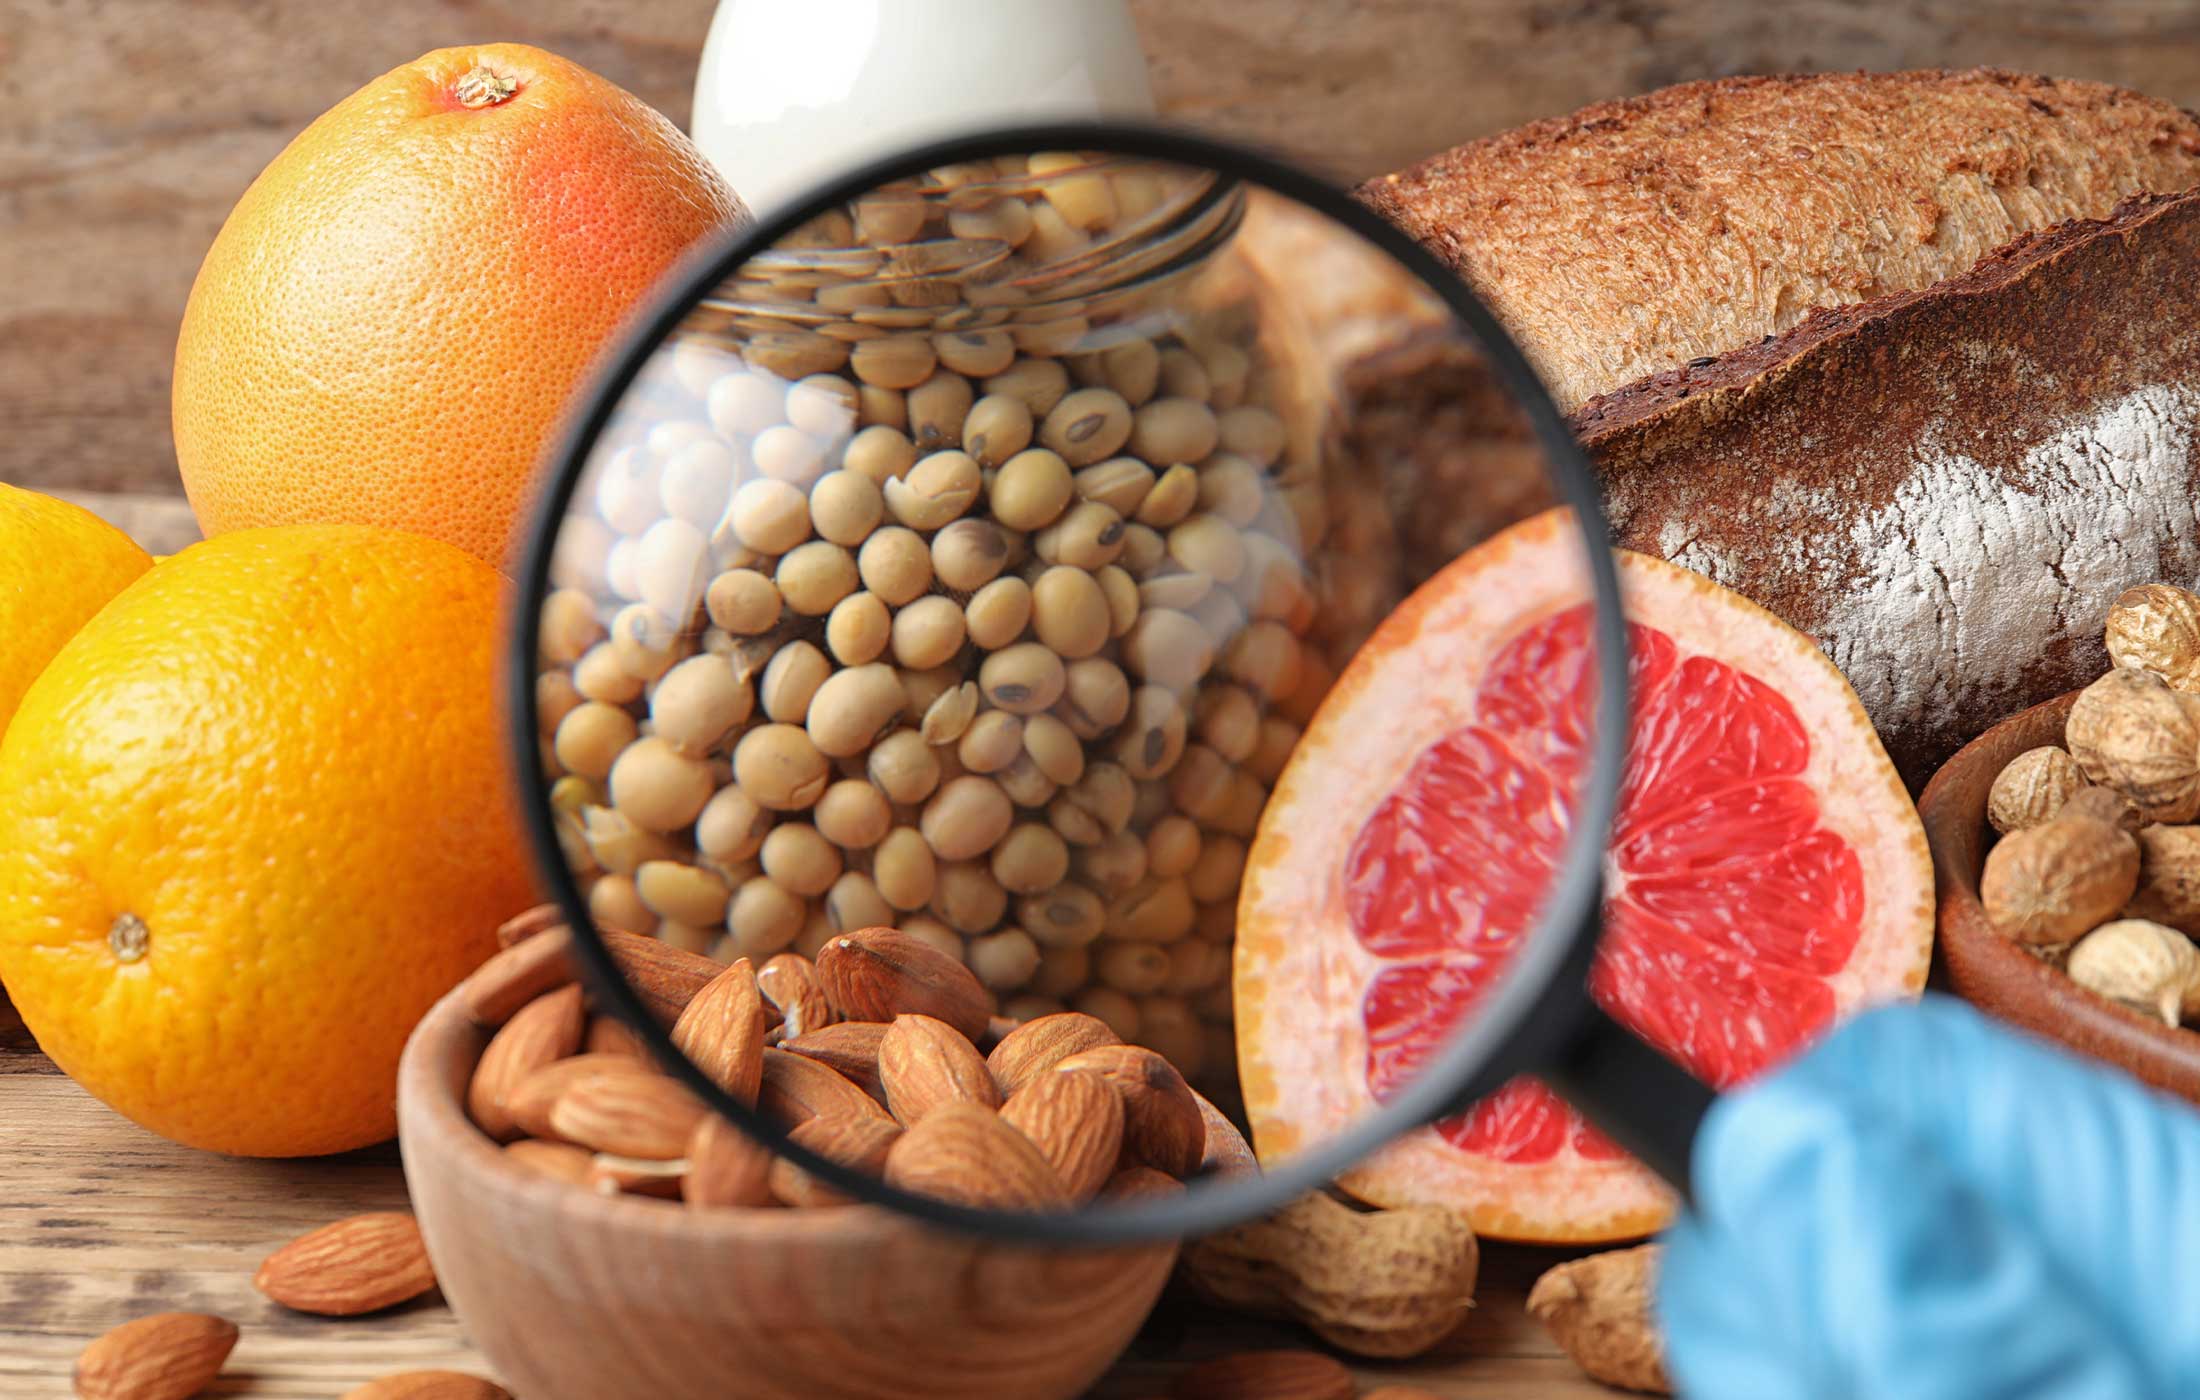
x,y
1000,594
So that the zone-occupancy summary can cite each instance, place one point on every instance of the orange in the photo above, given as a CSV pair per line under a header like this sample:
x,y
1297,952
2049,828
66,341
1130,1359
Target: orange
x,y
254,819
392,321
1766,876
59,564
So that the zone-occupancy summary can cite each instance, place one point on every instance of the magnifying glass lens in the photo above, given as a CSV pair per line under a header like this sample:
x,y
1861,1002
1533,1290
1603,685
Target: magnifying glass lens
x,y
1085,633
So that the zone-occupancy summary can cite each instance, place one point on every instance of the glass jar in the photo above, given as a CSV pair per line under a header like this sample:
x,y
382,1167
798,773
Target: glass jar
x,y
786,95
959,565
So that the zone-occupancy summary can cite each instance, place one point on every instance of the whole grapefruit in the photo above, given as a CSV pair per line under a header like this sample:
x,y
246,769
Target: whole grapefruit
x,y
1766,874
389,326
59,564
254,819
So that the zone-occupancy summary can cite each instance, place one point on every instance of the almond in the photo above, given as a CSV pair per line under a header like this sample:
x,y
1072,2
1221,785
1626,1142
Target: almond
x,y
612,1175
608,1035
876,974
1075,1119
859,1141
1162,1124
358,1265
544,1031
167,1356
521,927
789,982
560,1160
924,1062
519,974
667,978
966,1154
1039,1045
1267,1375
430,1385
628,1115
851,1048
722,1031
726,1167
530,1101
797,1088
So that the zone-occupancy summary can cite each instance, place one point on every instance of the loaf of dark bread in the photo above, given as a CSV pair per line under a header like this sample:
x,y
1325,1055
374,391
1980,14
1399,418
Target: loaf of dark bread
x,y
1899,356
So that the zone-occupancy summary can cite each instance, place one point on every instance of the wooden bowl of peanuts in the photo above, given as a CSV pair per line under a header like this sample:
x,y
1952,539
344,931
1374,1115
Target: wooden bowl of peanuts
x,y
602,1236
1995,972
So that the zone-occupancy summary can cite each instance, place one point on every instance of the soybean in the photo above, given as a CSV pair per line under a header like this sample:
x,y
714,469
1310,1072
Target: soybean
x,y
967,897
1030,859
927,633
779,768
991,742
966,817
763,918
743,602
855,903
969,554
732,826
657,787
1031,489
852,707
997,614
1095,697
1023,679
799,860
791,680
853,814
1086,426
813,577
1088,535
697,703
1070,612
904,869
937,410
904,767
593,735
895,564
845,507
879,454
858,629
996,429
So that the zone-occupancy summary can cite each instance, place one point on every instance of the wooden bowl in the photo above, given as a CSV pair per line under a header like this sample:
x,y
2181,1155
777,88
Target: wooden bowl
x,y
580,1297
1993,972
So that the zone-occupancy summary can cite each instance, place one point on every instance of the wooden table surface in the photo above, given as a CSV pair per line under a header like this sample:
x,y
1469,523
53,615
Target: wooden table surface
x,y
102,1221
133,125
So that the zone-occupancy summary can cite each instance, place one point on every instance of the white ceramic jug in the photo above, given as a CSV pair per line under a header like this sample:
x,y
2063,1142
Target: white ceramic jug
x,y
792,91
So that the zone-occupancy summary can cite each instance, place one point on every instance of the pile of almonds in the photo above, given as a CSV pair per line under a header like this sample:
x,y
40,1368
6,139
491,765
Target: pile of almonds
x,y
2098,868
883,1055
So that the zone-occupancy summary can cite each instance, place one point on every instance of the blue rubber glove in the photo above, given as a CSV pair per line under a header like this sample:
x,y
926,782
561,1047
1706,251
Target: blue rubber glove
x,y
1929,1205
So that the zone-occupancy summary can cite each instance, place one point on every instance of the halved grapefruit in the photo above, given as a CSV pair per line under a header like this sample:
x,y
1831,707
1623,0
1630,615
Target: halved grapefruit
x,y
1767,873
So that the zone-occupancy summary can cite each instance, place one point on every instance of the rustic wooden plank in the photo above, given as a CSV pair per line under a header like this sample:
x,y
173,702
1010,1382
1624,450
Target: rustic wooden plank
x,y
133,127
102,1222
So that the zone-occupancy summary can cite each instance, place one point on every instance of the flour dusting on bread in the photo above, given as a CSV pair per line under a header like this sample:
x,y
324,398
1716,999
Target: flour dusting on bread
x,y
1960,581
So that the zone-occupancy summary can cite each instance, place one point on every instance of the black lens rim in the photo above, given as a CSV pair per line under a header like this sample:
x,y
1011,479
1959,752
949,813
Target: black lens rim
x,y
1522,1023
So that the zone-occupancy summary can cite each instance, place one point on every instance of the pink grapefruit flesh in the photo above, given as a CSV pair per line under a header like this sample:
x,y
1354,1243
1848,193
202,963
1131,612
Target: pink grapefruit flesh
x,y
1766,873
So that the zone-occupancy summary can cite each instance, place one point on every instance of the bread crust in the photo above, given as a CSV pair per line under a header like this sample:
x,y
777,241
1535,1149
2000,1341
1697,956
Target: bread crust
x,y
1633,236
1945,471
1947,488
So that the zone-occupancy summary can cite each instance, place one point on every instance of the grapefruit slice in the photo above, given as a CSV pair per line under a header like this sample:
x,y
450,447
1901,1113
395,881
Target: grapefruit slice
x,y
1767,873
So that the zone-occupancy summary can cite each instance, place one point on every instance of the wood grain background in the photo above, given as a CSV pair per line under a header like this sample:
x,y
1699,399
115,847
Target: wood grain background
x,y
131,126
